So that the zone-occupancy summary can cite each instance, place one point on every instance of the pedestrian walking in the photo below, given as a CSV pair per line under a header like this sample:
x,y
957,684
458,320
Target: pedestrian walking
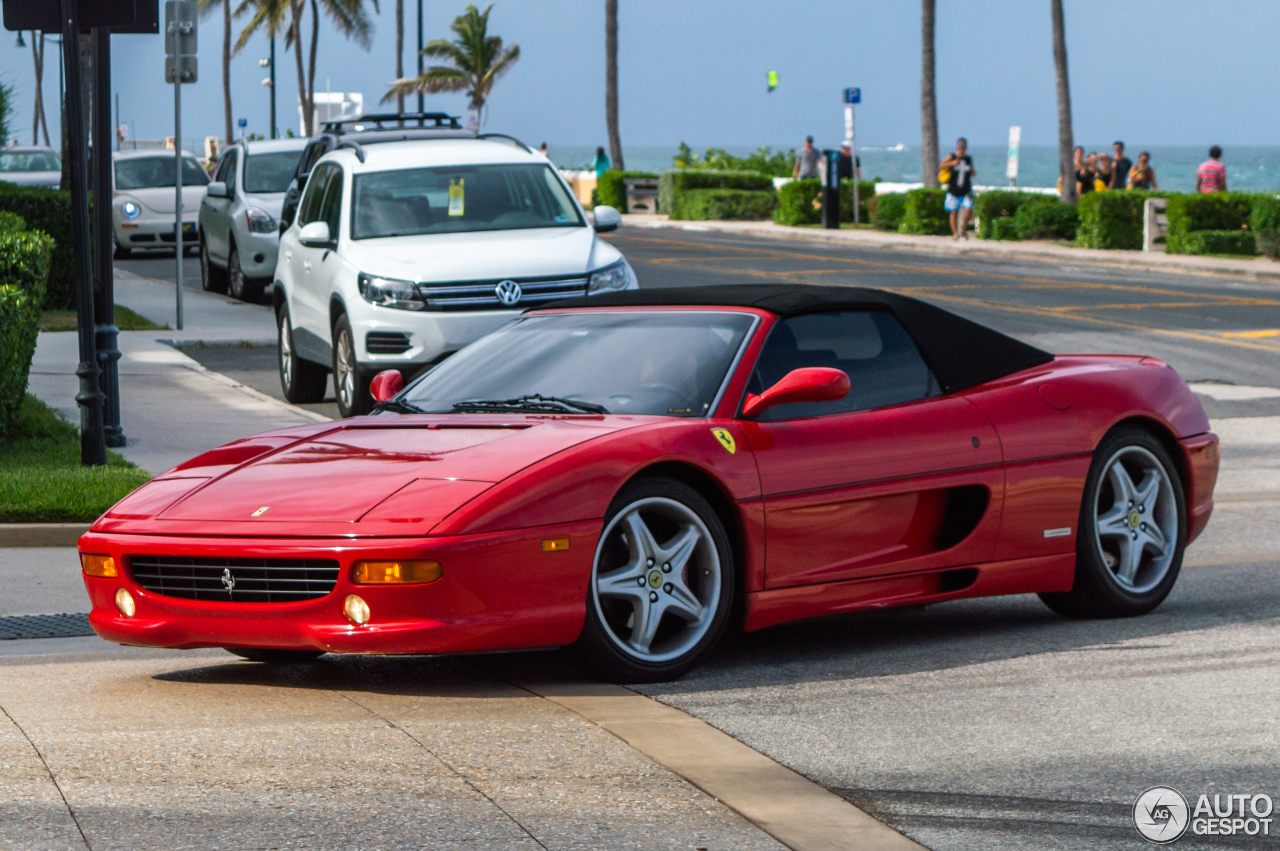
x,y
1142,175
542,149
848,166
1211,176
601,162
806,161
959,200
1084,173
1119,167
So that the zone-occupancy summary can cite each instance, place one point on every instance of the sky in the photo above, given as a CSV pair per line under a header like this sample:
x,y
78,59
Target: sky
x,y
1154,72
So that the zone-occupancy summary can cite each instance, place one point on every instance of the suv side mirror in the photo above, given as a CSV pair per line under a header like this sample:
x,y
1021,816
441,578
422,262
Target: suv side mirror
x,y
606,219
807,384
315,234
386,385
217,189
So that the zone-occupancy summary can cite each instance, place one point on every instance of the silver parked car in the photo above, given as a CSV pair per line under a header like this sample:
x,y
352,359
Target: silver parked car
x,y
31,165
240,214
142,203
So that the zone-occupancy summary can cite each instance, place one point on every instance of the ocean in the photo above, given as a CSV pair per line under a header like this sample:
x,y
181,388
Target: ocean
x,y
1249,169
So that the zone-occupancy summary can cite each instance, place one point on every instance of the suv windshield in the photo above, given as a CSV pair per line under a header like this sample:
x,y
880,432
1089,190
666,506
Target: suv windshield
x,y
155,172
20,161
656,362
460,199
269,172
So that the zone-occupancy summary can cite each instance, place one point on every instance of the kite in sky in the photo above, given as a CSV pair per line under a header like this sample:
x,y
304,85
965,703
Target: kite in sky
x,y
772,77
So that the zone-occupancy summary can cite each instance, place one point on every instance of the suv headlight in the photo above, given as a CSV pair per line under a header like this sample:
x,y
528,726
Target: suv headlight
x,y
130,210
388,292
618,276
259,221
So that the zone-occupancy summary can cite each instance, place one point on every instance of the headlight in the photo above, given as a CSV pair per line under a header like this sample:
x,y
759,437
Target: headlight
x,y
389,292
130,210
619,276
260,221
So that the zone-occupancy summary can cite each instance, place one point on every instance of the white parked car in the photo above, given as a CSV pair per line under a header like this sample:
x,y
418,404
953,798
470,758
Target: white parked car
x,y
404,252
31,165
142,212
240,215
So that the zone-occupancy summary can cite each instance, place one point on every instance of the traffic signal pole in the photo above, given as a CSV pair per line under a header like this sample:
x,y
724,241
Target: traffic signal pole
x,y
106,333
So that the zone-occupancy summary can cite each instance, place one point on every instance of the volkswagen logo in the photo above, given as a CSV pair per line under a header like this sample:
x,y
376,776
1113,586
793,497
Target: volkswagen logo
x,y
508,293
228,581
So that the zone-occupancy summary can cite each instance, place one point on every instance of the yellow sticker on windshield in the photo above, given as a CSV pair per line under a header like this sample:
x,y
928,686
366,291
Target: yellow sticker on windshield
x,y
456,197
726,439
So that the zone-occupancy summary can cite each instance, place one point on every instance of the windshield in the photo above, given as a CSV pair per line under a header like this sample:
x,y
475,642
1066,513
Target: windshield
x,y
460,199
270,172
662,363
154,172
18,161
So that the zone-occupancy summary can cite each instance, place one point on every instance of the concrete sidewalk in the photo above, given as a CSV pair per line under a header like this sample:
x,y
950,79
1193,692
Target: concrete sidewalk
x,y
1257,269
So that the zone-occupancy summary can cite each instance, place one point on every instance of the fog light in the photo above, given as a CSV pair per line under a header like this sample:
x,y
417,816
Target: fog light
x,y
98,565
356,610
124,602
408,572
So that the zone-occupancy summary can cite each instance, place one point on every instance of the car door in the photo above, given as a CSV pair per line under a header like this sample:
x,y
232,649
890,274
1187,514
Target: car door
x,y
895,477
310,302
216,215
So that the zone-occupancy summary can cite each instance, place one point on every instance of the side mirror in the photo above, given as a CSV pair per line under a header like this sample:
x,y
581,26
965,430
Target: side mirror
x,y
808,384
217,189
315,234
386,385
606,219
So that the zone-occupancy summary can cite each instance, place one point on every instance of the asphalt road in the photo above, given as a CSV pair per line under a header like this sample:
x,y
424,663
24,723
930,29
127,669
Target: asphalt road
x,y
995,724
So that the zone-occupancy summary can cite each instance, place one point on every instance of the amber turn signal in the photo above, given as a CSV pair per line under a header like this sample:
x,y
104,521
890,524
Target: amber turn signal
x,y
96,565
555,545
410,572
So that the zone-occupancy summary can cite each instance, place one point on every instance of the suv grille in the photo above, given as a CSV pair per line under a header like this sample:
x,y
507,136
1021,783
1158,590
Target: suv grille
x,y
483,295
251,580
386,342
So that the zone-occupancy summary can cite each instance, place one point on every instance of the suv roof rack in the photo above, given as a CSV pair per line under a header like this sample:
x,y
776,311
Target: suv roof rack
x,y
505,137
396,119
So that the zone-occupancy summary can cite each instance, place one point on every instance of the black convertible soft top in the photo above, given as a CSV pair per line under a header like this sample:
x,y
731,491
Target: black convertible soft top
x,y
960,352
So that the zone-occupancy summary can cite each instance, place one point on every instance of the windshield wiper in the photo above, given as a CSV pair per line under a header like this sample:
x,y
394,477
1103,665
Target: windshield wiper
x,y
535,402
399,406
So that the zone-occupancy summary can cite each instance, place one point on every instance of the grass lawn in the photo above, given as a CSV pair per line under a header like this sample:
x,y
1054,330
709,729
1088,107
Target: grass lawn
x,y
126,320
41,480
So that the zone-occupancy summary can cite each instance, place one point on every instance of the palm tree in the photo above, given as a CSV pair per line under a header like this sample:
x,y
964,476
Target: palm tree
x,y
399,50
37,56
475,61
611,81
1065,143
207,6
928,97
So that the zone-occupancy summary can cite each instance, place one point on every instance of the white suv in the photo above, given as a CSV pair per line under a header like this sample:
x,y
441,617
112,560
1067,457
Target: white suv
x,y
402,253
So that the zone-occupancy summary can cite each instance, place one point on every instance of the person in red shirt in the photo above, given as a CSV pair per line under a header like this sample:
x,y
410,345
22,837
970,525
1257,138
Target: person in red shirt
x,y
1211,176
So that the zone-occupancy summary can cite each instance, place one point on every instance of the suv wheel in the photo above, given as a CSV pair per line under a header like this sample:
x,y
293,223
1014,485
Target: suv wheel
x,y
241,287
212,279
301,380
350,384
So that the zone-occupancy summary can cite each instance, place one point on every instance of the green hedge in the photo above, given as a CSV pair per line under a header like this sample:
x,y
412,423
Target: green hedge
x,y
866,191
1003,227
671,184
924,214
1112,219
1264,221
726,204
798,202
12,223
1046,218
1218,242
24,270
1218,211
886,213
47,210
995,204
611,189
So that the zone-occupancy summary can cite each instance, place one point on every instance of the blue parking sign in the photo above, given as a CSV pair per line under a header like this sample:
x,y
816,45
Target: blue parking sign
x,y
853,95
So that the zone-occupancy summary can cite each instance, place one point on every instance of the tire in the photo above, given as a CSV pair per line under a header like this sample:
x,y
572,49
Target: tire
x,y
275,657
238,285
212,279
1132,532
350,383
301,381
630,579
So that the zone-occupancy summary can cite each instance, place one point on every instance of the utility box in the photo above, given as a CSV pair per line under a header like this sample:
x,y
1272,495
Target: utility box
x,y
830,189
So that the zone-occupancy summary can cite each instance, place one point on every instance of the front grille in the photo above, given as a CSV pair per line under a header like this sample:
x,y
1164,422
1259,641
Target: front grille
x,y
483,295
386,342
252,580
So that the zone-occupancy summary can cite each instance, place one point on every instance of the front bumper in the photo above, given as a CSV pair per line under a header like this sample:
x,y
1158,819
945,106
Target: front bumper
x,y
422,337
1199,463
152,233
258,252
499,592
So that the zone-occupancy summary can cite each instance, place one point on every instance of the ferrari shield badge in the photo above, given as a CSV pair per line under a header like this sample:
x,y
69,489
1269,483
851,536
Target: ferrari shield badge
x,y
726,439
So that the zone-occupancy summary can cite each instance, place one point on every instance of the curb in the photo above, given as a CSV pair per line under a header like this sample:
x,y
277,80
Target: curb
x,y
41,534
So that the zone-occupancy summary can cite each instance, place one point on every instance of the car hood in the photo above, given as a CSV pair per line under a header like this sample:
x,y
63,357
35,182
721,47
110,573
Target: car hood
x,y
480,256
33,178
369,476
160,199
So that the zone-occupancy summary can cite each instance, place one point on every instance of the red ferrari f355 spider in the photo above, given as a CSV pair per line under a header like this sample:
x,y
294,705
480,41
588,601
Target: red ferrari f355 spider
x,y
633,473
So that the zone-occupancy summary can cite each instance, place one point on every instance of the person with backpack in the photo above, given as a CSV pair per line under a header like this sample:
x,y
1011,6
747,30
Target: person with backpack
x,y
958,168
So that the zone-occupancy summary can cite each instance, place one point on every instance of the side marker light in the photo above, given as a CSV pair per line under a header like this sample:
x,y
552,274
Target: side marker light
x,y
555,545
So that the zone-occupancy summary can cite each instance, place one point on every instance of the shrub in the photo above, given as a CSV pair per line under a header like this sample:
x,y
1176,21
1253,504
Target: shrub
x,y
996,204
1112,219
722,204
924,214
24,261
611,189
1218,242
47,210
866,191
672,183
12,223
1003,228
1218,211
798,203
1046,218
888,210
19,324
1264,221
764,160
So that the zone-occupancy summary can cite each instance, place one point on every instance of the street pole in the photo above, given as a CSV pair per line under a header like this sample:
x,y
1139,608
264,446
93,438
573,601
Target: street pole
x,y
274,134
93,449
106,334
116,126
420,107
177,187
